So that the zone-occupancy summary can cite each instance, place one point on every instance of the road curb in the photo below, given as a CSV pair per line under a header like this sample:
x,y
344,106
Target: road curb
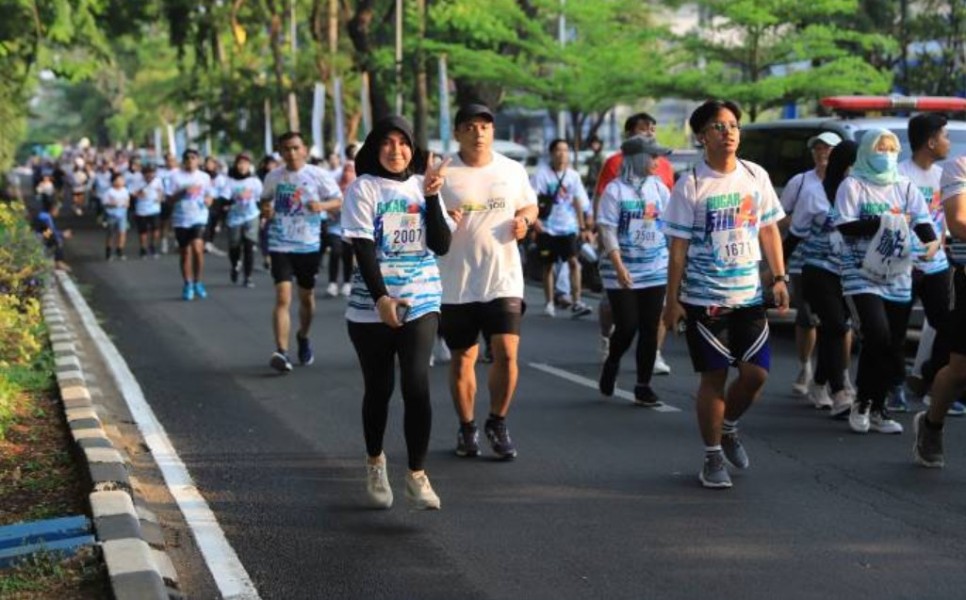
x,y
130,538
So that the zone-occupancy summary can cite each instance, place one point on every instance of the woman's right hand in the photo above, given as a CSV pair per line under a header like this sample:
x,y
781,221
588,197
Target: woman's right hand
x,y
386,308
673,314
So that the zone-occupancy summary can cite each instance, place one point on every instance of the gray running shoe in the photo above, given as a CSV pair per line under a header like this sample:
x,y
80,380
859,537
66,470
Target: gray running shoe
x,y
468,442
714,474
734,452
280,362
500,441
928,448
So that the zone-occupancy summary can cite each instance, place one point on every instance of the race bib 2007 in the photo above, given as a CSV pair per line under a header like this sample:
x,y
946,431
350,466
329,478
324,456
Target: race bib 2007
x,y
403,233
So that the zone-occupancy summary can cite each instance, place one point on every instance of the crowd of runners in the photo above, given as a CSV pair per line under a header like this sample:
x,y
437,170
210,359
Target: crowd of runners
x,y
430,253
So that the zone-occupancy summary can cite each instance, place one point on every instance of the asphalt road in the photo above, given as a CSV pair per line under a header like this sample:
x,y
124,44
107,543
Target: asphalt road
x,y
603,501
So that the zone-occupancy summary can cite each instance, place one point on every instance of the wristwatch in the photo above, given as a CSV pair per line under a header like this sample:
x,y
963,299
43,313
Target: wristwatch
x,y
527,222
782,278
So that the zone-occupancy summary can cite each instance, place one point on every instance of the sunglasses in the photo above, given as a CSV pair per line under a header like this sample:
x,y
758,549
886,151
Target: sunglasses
x,y
724,127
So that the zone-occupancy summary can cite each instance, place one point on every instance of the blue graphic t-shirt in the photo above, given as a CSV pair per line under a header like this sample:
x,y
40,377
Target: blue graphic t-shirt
x,y
393,215
244,195
295,228
721,215
637,213
857,200
148,202
190,210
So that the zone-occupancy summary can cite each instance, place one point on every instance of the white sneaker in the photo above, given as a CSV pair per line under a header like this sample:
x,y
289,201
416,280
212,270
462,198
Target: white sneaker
x,y
800,386
880,422
818,394
420,493
377,484
346,289
859,417
661,367
841,403
441,352
848,383
549,310
332,290
603,348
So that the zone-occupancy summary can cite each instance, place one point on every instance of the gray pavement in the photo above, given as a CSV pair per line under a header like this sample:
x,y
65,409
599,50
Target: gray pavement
x,y
603,501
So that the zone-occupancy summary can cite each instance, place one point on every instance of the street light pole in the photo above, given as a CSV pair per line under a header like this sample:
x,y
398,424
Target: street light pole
x,y
561,33
399,56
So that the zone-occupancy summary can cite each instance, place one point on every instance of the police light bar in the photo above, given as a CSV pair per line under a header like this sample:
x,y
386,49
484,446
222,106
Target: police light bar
x,y
883,103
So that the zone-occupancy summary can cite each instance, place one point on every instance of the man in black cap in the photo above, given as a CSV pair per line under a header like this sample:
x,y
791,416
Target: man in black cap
x,y
490,197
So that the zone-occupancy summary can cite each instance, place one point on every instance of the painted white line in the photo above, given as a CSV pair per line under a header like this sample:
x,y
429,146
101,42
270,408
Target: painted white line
x,y
579,380
229,574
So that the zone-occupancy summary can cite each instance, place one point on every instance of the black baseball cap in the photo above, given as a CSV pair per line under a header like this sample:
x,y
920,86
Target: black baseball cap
x,y
189,152
469,111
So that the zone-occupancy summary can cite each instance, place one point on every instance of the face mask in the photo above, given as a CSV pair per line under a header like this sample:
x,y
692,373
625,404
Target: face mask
x,y
883,162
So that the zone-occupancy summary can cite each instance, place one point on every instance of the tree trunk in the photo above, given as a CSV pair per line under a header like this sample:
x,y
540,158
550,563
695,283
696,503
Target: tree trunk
x,y
360,32
278,61
421,91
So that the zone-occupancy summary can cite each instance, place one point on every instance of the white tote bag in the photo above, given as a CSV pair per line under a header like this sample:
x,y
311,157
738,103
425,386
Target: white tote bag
x,y
890,252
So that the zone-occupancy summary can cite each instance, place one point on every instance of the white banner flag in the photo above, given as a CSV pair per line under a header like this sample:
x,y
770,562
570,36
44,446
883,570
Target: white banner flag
x,y
158,149
172,146
364,103
445,128
269,142
339,117
318,115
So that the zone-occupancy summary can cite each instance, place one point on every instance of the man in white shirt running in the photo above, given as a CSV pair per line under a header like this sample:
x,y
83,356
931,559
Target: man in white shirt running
x,y
490,198
293,199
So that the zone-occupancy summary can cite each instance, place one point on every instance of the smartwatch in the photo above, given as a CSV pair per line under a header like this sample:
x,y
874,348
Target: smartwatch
x,y
782,278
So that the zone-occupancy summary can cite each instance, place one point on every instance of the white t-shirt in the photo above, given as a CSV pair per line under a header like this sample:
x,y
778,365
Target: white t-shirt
x,y
564,188
928,184
190,210
134,180
393,215
483,262
794,190
294,228
638,216
149,202
244,194
721,215
116,202
814,222
856,200
953,183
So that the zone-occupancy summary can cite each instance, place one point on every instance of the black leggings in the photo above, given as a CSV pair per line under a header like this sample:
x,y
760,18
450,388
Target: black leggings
x,y
823,293
340,252
881,361
636,312
244,251
933,291
377,346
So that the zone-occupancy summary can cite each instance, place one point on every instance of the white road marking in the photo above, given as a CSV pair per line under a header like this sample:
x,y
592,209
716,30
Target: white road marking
x,y
229,574
573,378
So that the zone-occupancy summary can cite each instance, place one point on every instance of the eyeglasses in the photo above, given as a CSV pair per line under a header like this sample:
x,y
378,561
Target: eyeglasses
x,y
724,127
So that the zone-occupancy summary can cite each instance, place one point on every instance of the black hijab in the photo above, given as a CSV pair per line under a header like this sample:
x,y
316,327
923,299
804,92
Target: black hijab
x,y
367,159
839,160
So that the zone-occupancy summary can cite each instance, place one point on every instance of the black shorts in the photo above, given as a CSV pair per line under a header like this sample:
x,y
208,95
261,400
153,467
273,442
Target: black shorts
x,y
147,223
461,324
186,235
804,317
958,316
556,247
304,267
721,337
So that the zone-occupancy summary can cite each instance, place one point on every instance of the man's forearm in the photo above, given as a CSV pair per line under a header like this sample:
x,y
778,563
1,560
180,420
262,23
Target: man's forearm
x,y
771,242
677,258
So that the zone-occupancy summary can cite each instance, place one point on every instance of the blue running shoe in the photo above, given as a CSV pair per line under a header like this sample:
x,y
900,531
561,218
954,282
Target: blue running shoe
x,y
896,402
957,409
188,292
280,362
306,356
200,290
